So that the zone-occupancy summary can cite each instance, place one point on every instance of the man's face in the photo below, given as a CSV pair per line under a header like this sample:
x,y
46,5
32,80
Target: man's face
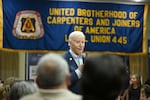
x,y
77,44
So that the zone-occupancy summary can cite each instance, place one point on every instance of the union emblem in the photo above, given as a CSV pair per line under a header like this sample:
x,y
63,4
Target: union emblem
x,y
28,25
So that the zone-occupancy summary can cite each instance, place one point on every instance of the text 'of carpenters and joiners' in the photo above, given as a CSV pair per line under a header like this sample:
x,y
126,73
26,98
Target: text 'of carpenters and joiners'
x,y
101,25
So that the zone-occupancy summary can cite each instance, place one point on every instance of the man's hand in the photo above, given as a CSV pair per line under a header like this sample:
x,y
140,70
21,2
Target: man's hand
x,y
80,68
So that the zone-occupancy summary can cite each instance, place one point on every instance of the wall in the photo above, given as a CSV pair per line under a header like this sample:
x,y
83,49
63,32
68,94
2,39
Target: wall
x,y
22,65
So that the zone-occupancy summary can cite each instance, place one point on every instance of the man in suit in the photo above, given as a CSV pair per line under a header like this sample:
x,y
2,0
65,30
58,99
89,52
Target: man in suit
x,y
74,56
53,78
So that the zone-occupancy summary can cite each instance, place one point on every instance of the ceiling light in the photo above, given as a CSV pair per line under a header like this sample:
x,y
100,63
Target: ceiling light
x,y
137,0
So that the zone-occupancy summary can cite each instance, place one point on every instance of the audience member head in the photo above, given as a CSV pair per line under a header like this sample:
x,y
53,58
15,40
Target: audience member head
x,y
135,80
7,86
10,81
21,89
52,72
103,77
77,42
145,92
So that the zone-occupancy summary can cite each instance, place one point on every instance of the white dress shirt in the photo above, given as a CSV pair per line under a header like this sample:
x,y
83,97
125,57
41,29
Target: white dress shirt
x,y
78,60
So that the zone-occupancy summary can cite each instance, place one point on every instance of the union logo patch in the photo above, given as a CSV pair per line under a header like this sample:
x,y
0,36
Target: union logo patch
x,y
28,25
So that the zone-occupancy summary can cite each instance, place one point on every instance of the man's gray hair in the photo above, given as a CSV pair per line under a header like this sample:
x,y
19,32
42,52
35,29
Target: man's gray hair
x,y
73,33
21,89
52,70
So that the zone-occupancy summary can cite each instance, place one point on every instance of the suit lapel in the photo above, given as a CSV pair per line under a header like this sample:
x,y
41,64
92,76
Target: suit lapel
x,y
71,60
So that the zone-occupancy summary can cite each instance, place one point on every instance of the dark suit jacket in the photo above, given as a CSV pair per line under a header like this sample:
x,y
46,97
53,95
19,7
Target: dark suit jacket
x,y
74,87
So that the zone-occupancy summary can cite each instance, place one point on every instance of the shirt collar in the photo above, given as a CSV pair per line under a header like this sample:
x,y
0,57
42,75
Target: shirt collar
x,y
74,55
52,90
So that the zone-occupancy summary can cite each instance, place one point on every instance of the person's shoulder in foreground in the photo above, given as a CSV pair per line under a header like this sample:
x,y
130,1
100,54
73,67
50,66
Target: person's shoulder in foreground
x,y
64,95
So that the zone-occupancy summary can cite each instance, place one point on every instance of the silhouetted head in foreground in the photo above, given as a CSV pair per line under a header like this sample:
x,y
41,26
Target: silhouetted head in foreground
x,y
103,77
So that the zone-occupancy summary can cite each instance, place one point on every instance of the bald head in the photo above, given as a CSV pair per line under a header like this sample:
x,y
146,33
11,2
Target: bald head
x,y
52,71
77,42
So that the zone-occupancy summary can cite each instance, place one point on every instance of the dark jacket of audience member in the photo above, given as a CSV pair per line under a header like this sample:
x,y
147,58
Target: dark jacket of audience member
x,y
103,77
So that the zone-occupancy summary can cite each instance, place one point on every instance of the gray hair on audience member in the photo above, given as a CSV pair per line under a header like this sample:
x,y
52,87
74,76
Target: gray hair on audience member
x,y
52,70
22,88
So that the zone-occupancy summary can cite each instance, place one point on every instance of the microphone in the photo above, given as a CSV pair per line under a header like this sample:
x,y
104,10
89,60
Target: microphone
x,y
84,56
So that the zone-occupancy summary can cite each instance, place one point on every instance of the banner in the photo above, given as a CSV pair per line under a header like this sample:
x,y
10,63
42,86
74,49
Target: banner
x,y
39,25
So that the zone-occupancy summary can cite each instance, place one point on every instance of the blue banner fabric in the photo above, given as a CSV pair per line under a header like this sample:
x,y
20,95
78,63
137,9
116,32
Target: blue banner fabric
x,y
45,25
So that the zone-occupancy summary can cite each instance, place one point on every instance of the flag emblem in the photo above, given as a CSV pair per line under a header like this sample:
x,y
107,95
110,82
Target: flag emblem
x,y
28,25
